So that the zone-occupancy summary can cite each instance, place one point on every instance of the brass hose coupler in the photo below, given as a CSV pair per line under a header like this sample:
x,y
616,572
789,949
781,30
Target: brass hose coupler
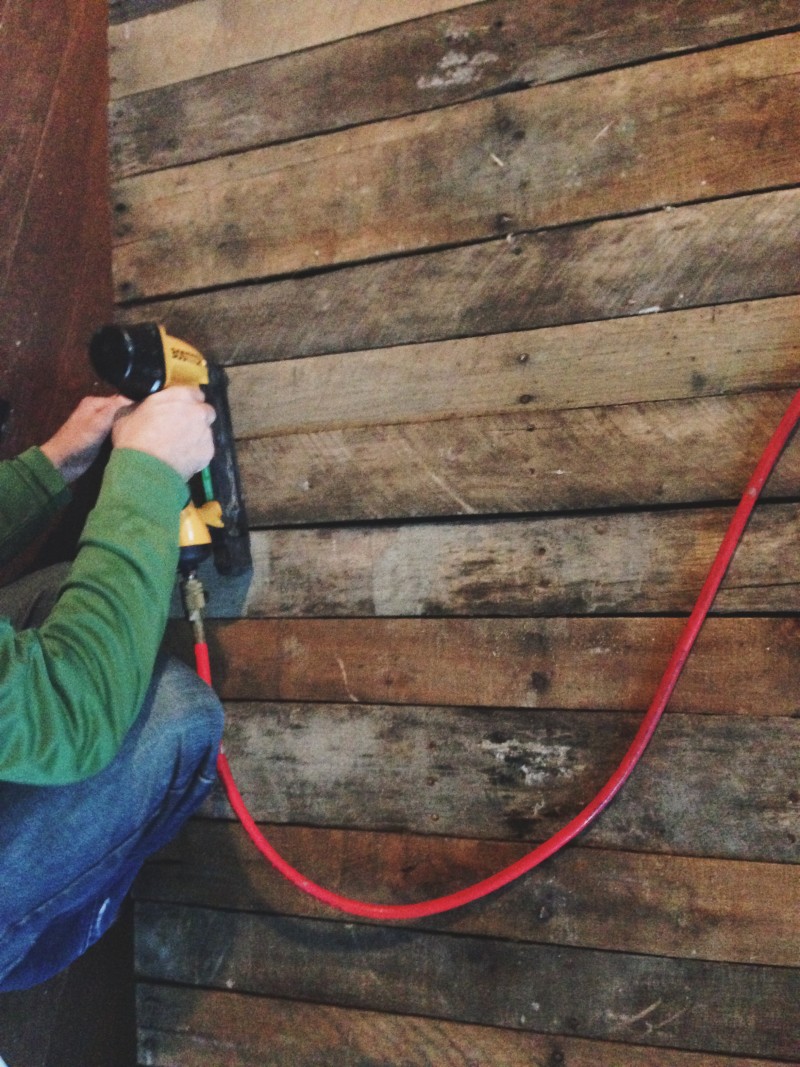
x,y
194,602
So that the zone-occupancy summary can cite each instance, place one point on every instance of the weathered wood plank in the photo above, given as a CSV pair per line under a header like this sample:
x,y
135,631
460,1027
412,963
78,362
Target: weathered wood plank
x,y
227,33
705,127
521,775
591,898
202,1028
622,563
675,452
701,352
414,66
742,666
737,249
684,1004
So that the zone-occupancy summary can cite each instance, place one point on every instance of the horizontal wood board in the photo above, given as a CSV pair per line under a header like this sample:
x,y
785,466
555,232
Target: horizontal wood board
x,y
703,352
414,66
740,666
686,1004
151,52
739,249
521,775
666,453
698,908
630,563
705,127
196,1028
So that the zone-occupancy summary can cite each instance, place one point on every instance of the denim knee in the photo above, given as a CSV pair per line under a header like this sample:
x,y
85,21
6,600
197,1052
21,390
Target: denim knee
x,y
182,722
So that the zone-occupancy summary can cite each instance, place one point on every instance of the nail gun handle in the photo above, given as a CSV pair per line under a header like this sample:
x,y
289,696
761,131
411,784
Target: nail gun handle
x,y
231,543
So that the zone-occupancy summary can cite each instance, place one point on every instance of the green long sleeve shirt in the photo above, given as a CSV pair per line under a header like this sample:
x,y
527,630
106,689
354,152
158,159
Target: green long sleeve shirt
x,y
71,688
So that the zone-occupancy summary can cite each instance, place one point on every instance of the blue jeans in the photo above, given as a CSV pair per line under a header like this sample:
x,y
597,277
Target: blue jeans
x,y
68,854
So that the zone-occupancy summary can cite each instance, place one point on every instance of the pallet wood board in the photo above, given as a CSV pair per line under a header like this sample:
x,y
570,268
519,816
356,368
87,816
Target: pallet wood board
x,y
151,52
622,563
683,1004
675,452
696,908
705,128
197,1028
509,774
739,249
411,67
740,666
677,355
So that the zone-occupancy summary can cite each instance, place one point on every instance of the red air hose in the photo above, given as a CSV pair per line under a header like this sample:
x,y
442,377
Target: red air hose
x,y
581,821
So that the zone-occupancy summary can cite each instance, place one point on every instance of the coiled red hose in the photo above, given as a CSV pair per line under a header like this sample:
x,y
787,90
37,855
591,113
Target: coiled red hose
x,y
604,797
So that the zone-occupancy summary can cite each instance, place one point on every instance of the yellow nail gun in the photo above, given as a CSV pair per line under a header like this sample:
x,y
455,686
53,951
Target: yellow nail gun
x,y
142,359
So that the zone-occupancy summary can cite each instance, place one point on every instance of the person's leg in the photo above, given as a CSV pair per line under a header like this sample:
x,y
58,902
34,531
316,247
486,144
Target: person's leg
x,y
68,854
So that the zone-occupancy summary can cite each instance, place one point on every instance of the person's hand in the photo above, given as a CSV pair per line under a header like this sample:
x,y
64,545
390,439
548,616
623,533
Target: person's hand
x,y
173,425
73,448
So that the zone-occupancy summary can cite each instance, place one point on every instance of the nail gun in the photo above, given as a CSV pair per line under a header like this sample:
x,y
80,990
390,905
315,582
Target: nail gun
x,y
142,359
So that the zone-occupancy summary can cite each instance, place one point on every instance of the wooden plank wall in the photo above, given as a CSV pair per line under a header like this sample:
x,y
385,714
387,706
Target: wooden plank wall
x,y
509,294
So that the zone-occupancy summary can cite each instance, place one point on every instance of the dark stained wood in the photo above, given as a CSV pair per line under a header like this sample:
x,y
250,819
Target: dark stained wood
x,y
621,563
587,897
741,666
705,127
743,248
55,283
514,775
727,1008
412,67
202,1028
532,461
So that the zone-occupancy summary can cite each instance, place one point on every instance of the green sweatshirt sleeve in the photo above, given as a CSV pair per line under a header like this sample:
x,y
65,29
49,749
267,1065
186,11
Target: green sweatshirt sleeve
x,y
71,688
31,492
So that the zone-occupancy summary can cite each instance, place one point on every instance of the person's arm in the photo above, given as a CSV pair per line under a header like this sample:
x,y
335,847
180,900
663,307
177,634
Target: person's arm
x,y
70,690
31,491
35,485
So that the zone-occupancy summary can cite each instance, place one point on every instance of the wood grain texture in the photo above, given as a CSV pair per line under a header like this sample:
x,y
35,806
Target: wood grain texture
x,y
684,1004
704,352
705,127
226,33
410,703
739,249
508,774
740,666
55,275
621,563
586,897
414,66
197,1028
676,452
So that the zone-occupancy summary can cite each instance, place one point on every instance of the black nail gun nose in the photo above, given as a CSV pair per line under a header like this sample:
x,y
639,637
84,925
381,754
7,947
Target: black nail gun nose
x,y
142,359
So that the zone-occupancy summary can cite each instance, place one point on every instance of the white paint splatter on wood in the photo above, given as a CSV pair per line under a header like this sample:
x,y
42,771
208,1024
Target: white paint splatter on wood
x,y
456,68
